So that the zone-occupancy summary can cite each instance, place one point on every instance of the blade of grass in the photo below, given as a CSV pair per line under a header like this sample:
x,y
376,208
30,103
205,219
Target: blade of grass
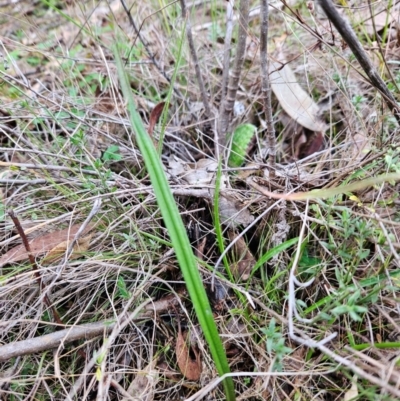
x,y
217,222
271,253
177,232
164,115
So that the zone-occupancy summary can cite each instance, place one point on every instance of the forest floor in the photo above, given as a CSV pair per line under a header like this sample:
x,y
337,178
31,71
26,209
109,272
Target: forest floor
x,y
303,291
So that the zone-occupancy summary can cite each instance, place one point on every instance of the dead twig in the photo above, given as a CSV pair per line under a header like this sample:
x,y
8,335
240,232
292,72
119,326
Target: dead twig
x,y
227,103
73,333
53,340
266,89
195,59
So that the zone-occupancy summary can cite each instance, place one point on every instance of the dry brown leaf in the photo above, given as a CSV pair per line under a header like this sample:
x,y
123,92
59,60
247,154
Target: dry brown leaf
x,y
293,98
200,173
313,144
42,244
190,368
55,254
245,261
197,174
154,116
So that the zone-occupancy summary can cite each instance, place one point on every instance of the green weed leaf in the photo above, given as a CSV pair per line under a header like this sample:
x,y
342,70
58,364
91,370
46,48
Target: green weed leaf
x,y
177,233
241,140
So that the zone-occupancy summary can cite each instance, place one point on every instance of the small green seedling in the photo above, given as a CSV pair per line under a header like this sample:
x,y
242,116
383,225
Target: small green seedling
x,y
112,154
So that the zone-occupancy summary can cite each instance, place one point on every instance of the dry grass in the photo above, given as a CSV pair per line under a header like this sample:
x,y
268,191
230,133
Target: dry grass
x,y
65,142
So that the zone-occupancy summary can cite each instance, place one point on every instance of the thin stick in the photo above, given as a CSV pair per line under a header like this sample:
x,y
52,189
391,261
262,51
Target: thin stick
x,y
227,48
227,104
326,192
378,41
82,228
35,268
193,54
266,89
351,39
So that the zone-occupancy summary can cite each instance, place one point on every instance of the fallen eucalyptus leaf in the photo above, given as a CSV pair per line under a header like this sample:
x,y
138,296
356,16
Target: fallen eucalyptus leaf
x,y
55,254
293,98
190,368
243,261
42,244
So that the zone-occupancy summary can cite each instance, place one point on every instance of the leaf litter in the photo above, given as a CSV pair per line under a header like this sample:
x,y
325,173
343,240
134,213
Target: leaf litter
x,y
54,243
190,367
137,211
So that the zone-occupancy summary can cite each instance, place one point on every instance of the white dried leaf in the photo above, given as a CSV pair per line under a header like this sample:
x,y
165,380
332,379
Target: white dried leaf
x,y
352,393
196,174
176,167
293,98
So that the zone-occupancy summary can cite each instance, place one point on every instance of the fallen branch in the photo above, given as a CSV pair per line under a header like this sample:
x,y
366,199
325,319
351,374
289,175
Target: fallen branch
x,y
87,330
53,340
